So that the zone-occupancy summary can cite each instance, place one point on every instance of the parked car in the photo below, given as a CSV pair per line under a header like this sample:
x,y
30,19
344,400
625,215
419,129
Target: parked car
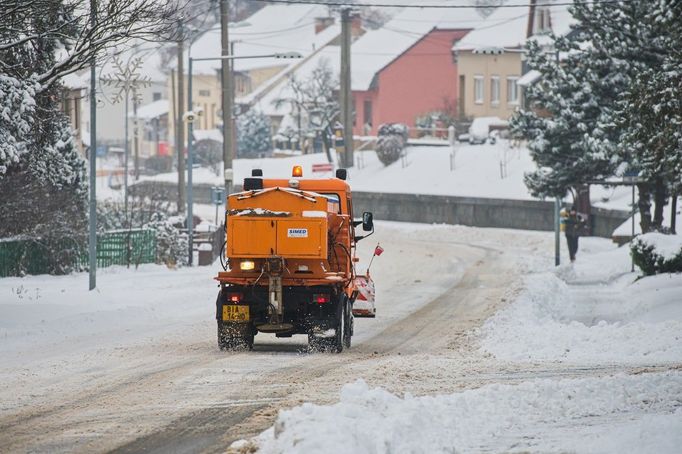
x,y
480,129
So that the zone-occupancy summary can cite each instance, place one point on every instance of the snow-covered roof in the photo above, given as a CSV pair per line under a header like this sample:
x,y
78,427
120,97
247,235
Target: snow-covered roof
x,y
507,28
208,134
504,28
74,82
377,48
152,110
267,103
529,78
273,29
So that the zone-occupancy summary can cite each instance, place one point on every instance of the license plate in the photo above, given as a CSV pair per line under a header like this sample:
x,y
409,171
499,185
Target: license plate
x,y
235,313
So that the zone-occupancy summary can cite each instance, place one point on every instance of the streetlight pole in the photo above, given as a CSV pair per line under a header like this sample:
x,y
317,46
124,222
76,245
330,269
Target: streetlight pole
x,y
92,221
190,165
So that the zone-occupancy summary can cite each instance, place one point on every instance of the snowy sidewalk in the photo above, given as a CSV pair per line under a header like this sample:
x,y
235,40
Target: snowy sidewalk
x,y
592,312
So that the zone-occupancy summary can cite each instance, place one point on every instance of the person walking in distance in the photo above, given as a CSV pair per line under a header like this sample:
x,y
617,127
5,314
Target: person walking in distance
x,y
574,224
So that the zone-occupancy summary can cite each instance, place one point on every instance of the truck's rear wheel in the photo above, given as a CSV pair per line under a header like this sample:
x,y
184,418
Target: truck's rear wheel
x,y
348,323
342,331
232,336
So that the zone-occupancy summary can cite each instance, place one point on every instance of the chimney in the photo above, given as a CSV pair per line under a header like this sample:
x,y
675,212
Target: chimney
x,y
356,29
531,18
321,23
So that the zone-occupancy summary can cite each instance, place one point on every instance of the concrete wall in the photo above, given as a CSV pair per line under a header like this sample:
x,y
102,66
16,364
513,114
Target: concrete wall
x,y
478,212
471,211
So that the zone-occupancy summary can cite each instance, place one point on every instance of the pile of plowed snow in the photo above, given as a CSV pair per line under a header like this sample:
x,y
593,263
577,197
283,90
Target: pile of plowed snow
x,y
639,413
594,311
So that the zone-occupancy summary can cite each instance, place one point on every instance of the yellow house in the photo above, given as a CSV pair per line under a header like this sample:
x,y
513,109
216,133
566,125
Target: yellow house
x,y
490,58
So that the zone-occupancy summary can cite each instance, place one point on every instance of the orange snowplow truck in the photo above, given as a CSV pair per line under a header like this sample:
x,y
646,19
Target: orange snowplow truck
x,y
290,256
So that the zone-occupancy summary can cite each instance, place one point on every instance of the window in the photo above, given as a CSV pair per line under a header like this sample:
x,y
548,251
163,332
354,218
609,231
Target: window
x,y
478,89
367,115
205,93
512,90
495,90
333,198
542,20
156,96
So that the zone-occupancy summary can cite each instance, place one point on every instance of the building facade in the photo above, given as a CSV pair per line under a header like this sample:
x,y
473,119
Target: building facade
x,y
421,80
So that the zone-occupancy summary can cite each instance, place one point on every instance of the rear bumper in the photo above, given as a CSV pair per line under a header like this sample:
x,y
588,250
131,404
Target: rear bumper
x,y
299,309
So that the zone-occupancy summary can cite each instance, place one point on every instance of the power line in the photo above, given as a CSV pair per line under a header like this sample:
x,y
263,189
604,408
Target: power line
x,y
437,5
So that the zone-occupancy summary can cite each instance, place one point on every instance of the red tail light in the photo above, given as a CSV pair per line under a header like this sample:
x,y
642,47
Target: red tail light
x,y
234,297
320,298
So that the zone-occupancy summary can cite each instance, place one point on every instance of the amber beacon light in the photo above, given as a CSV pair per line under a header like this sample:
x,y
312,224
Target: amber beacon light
x,y
297,171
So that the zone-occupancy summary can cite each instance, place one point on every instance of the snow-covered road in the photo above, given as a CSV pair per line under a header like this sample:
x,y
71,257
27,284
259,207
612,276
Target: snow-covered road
x,y
135,366
97,370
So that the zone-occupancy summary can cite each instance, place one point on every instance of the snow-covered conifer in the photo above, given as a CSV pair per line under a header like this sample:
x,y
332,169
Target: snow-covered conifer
x,y
254,137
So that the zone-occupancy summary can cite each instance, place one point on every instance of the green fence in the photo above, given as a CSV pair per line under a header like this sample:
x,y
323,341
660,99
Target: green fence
x,y
63,255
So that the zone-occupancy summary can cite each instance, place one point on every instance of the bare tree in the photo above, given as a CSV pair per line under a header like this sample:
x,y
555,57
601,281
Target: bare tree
x,y
118,21
313,102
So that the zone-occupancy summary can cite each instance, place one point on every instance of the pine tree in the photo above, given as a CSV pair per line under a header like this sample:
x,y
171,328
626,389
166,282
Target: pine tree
x,y
651,113
254,136
585,131
564,127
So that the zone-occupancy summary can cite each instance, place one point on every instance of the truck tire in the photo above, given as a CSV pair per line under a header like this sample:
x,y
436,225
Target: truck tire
x,y
338,339
348,323
230,338
332,344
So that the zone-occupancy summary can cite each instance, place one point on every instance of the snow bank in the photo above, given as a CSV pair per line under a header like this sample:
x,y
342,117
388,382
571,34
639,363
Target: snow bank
x,y
666,246
594,312
589,414
550,321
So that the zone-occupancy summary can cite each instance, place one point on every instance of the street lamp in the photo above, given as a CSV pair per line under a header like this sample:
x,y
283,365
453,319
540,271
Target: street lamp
x,y
190,116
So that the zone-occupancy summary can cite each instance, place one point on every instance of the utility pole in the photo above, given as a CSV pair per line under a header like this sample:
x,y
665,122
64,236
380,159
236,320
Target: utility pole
x,y
92,221
226,78
346,101
180,122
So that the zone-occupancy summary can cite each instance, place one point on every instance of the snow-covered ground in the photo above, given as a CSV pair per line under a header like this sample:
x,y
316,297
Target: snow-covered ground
x,y
622,413
592,312
476,173
480,345
591,315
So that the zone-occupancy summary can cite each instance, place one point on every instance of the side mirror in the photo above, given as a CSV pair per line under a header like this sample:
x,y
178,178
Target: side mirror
x,y
367,221
341,174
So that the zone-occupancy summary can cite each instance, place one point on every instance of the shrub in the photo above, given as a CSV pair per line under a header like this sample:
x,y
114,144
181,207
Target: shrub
x,y
171,242
391,140
656,253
